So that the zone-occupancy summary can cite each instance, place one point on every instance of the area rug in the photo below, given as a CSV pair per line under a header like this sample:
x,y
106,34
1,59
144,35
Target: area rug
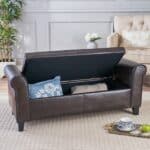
x,y
77,132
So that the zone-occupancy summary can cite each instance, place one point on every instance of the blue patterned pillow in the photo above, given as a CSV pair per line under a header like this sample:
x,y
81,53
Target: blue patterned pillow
x,y
47,88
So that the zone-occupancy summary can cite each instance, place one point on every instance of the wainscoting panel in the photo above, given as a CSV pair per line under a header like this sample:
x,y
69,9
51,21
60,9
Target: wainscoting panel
x,y
71,35
27,38
62,24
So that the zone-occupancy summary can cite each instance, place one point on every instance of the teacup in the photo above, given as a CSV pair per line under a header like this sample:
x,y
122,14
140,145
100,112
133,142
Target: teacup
x,y
125,123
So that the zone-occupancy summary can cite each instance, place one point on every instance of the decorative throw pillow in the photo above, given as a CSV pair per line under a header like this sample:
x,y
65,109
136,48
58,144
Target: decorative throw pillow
x,y
89,88
136,39
47,88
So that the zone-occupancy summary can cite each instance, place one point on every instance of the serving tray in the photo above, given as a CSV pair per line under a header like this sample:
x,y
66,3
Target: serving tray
x,y
112,128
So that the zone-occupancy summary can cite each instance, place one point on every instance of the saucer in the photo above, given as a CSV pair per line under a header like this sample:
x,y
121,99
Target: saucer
x,y
126,129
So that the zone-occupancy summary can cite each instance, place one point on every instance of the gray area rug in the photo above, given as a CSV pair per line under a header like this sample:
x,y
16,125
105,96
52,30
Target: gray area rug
x,y
78,132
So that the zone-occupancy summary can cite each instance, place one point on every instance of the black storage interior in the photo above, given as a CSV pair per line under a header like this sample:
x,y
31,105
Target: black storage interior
x,y
111,84
72,66
75,68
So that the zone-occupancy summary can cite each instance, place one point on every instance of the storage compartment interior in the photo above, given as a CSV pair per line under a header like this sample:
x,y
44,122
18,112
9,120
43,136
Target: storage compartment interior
x,y
111,84
85,65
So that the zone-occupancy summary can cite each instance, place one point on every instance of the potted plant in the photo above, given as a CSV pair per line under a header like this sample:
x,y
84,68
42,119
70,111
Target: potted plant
x,y
10,10
91,40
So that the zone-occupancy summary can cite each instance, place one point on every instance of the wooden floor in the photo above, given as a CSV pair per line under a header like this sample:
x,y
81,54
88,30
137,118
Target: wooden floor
x,y
3,86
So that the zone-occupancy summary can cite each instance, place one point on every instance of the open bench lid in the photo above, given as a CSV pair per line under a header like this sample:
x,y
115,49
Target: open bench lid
x,y
71,64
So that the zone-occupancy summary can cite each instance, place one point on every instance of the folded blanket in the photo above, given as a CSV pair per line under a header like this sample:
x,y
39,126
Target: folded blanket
x,y
89,88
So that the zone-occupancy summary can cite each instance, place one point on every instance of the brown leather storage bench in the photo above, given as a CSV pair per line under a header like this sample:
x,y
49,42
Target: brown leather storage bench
x,y
76,67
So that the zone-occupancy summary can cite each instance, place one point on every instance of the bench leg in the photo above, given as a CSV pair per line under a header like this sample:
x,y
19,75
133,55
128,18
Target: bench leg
x,y
20,126
135,110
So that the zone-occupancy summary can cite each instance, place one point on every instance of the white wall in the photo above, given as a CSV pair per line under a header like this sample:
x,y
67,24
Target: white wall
x,y
61,24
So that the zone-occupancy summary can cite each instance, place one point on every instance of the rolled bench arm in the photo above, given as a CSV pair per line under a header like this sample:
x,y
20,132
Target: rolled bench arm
x,y
15,78
19,85
132,74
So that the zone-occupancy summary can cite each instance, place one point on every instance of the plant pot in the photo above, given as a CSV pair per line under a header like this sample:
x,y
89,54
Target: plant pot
x,y
91,45
2,66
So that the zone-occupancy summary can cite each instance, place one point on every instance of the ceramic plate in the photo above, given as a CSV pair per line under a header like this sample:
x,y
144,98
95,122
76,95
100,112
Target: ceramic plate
x,y
127,129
